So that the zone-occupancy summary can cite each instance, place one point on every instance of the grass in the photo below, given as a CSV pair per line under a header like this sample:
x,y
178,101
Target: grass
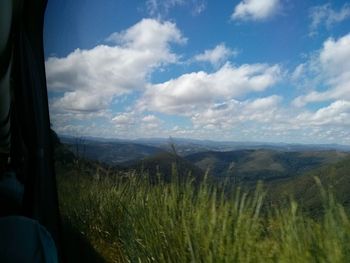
x,y
128,219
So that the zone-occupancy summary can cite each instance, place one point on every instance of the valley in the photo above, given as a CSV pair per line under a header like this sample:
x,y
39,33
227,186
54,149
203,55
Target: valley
x,y
240,162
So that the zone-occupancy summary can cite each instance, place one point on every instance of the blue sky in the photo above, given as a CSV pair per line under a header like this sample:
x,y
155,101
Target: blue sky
x,y
251,70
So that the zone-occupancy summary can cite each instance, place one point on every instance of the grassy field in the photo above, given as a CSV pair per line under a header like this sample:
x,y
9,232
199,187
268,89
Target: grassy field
x,y
127,219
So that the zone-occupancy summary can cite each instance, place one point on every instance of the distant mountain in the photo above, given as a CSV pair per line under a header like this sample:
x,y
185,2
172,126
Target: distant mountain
x,y
252,165
111,153
190,146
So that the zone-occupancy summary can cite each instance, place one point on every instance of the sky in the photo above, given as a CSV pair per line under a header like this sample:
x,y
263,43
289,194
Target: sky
x,y
249,70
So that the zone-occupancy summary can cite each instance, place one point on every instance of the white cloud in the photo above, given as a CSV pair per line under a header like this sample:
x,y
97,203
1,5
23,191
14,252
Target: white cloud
x,y
127,123
85,83
136,123
337,113
267,119
217,55
161,8
150,118
132,124
198,89
62,121
199,7
260,119
313,96
255,9
149,34
231,113
335,56
266,103
150,122
298,72
325,15
333,65
124,119
90,79
82,101
156,7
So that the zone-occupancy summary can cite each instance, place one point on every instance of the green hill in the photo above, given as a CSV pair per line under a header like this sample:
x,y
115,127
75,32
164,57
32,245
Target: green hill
x,y
303,188
253,165
165,164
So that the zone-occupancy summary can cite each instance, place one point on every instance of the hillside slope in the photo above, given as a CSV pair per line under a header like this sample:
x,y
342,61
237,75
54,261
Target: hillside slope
x,y
252,165
303,188
165,165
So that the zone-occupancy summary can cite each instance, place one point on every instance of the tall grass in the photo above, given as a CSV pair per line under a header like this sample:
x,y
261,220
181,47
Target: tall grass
x,y
184,222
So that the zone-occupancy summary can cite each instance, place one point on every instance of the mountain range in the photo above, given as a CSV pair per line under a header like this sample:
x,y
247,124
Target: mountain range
x,y
237,161
287,172
189,146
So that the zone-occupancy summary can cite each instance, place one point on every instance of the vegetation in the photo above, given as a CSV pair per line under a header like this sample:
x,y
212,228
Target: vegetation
x,y
304,190
127,218
262,164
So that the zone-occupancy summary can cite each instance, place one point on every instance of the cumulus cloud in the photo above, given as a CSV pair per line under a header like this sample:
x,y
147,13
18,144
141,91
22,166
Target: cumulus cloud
x,y
198,89
149,34
214,105
333,65
124,119
233,112
132,124
132,117
325,15
150,122
335,56
217,55
313,96
255,9
337,113
90,79
267,118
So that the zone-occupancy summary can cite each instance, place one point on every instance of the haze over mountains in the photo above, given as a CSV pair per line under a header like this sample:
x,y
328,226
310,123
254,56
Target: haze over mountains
x,y
184,147
243,161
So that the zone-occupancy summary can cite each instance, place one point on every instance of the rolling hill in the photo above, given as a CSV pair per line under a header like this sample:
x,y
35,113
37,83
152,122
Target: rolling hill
x,y
247,165
286,174
252,165
304,189
165,165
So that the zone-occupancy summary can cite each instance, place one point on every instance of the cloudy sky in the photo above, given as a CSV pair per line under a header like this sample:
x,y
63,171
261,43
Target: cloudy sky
x,y
249,70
